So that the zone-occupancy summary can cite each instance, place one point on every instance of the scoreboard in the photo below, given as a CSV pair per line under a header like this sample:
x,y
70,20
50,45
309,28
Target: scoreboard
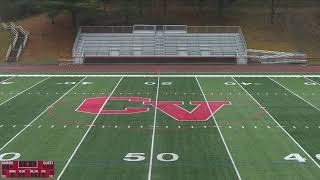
x,y
27,169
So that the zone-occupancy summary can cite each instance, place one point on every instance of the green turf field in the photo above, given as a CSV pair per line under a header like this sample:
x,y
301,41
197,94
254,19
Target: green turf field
x,y
107,127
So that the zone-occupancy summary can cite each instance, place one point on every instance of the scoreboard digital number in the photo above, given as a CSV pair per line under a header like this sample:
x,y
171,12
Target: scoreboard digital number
x,y
27,169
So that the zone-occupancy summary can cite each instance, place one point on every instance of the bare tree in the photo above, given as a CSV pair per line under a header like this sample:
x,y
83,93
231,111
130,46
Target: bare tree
x,y
199,5
220,6
104,3
274,9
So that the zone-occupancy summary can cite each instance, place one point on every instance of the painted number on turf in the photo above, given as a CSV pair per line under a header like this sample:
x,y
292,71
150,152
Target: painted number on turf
x,y
134,157
295,157
9,156
310,83
298,157
242,83
6,83
165,157
162,83
73,83
67,83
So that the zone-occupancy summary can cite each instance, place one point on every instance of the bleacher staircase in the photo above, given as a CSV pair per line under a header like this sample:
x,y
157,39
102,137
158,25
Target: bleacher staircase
x,y
20,38
159,44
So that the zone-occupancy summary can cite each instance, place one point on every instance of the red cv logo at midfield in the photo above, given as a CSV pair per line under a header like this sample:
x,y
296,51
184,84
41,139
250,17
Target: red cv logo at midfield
x,y
171,108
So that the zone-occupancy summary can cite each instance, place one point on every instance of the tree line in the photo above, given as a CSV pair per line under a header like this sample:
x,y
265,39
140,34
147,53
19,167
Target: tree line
x,y
88,9
15,9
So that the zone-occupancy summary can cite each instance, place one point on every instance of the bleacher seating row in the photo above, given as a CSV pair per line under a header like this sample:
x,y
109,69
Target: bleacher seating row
x,y
159,43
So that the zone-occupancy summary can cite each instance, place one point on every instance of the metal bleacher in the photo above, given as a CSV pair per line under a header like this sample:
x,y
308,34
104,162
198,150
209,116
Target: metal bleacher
x,y
160,41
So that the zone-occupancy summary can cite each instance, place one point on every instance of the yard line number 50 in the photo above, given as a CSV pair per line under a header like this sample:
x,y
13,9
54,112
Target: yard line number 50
x,y
131,157
165,157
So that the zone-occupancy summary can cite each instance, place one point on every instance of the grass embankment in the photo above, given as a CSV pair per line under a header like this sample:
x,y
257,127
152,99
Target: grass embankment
x,y
47,42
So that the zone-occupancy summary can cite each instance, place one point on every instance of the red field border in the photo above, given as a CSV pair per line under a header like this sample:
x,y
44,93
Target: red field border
x,y
161,68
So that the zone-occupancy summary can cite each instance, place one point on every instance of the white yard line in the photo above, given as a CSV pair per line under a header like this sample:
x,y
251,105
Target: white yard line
x,y
39,115
294,94
151,75
217,125
7,79
88,130
153,131
23,91
278,124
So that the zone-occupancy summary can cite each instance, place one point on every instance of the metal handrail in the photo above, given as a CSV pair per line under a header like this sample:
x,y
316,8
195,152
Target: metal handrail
x,y
243,40
106,29
25,40
19,52
130,29
26,35
13,31
76,42
8,52
11,46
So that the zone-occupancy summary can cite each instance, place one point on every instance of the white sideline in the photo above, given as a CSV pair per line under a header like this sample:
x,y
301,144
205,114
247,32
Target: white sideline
x,y
294,94
39,115
217,125
153,132
7,79
152,75
278,124
88,130
24,91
